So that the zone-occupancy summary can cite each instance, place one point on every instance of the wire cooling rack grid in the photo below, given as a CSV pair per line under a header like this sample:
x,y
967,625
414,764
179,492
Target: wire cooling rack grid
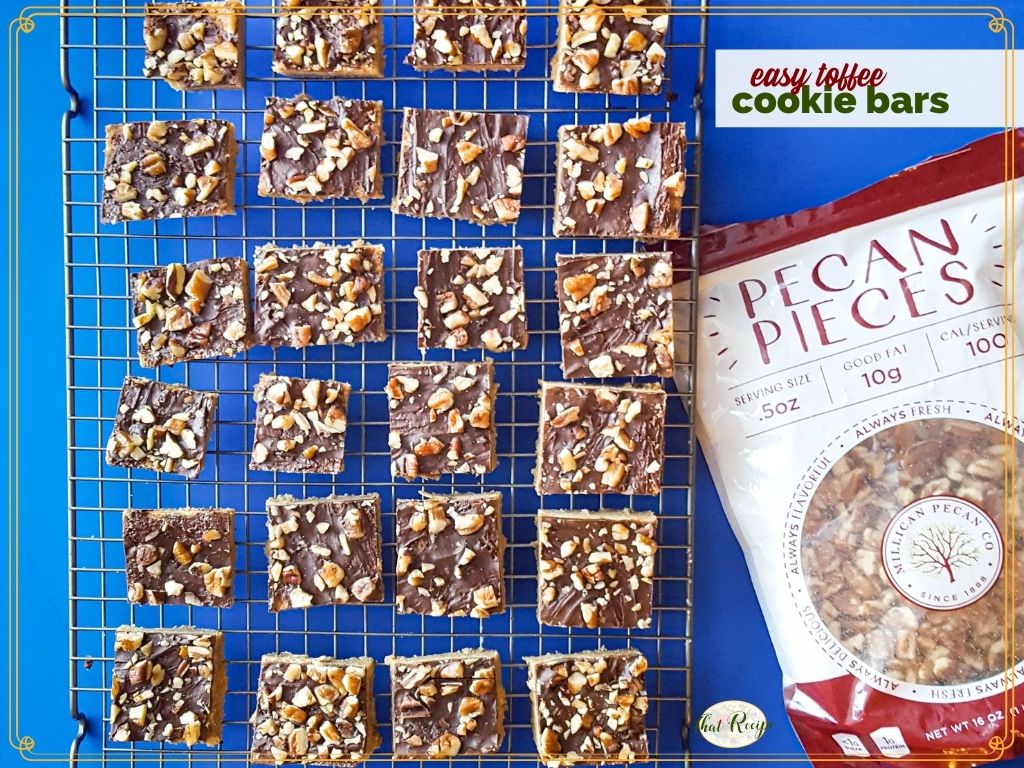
x,y
102,55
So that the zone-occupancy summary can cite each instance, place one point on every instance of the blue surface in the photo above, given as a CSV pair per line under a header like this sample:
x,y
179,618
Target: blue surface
x,y
102,257
747,174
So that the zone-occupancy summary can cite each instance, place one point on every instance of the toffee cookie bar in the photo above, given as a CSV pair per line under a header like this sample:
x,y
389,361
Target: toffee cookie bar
x,y
461,165
163,427
179,556
313,711
441,417
319,294
317,150
329,38
620,180
447,705
597,439
168,169
195,46
610,46
323,551
450,553
300,425
596,569
468,35
615,314
192,311
471,298
604,689
168,685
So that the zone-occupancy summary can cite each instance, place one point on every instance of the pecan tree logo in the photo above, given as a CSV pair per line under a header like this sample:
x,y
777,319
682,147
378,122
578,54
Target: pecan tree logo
x,y
942,552
944,548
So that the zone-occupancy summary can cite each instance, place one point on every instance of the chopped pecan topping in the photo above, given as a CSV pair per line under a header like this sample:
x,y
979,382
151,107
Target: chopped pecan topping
x,y
317,150
323,551
432,433
179,556
313,710
168,685
447,705
195,46
168,169
471,298
339,38
451,549
300,425
319,294
605,186
596,569
615,314
605,690
192,311
481,179
163,427
478,36
596,439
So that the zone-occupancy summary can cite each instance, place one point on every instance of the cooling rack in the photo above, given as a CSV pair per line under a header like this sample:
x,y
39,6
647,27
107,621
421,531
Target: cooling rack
x,y
102,55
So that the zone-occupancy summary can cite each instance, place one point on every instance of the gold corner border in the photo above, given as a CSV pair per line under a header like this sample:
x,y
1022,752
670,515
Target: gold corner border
x,y
25,23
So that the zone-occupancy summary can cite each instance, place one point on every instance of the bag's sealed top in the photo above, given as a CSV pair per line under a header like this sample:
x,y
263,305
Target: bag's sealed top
x,y
857,411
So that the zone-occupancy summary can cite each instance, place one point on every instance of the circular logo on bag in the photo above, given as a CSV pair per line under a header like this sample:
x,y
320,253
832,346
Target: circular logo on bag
x,y
942,552
732,724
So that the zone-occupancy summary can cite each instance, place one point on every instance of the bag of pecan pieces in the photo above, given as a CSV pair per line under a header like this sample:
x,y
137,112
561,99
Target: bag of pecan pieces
x,y
857,408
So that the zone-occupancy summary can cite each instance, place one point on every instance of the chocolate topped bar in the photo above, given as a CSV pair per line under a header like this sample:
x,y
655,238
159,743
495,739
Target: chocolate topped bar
x,y
163,427
313,711
323,551
319,294
168,685
597,439
441,418
610,46
596,569
461,165
615,314
300,425
195,46
192,311
620,180
468,35
450,552
179,556
329,38
471,298
447,705
168,169
607,689
316,150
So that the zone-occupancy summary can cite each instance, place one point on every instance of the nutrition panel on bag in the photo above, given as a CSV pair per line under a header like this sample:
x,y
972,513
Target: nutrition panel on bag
x,y
886,366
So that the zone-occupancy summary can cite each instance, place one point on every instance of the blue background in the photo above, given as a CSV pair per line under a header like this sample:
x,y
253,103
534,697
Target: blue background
x,y
748,174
